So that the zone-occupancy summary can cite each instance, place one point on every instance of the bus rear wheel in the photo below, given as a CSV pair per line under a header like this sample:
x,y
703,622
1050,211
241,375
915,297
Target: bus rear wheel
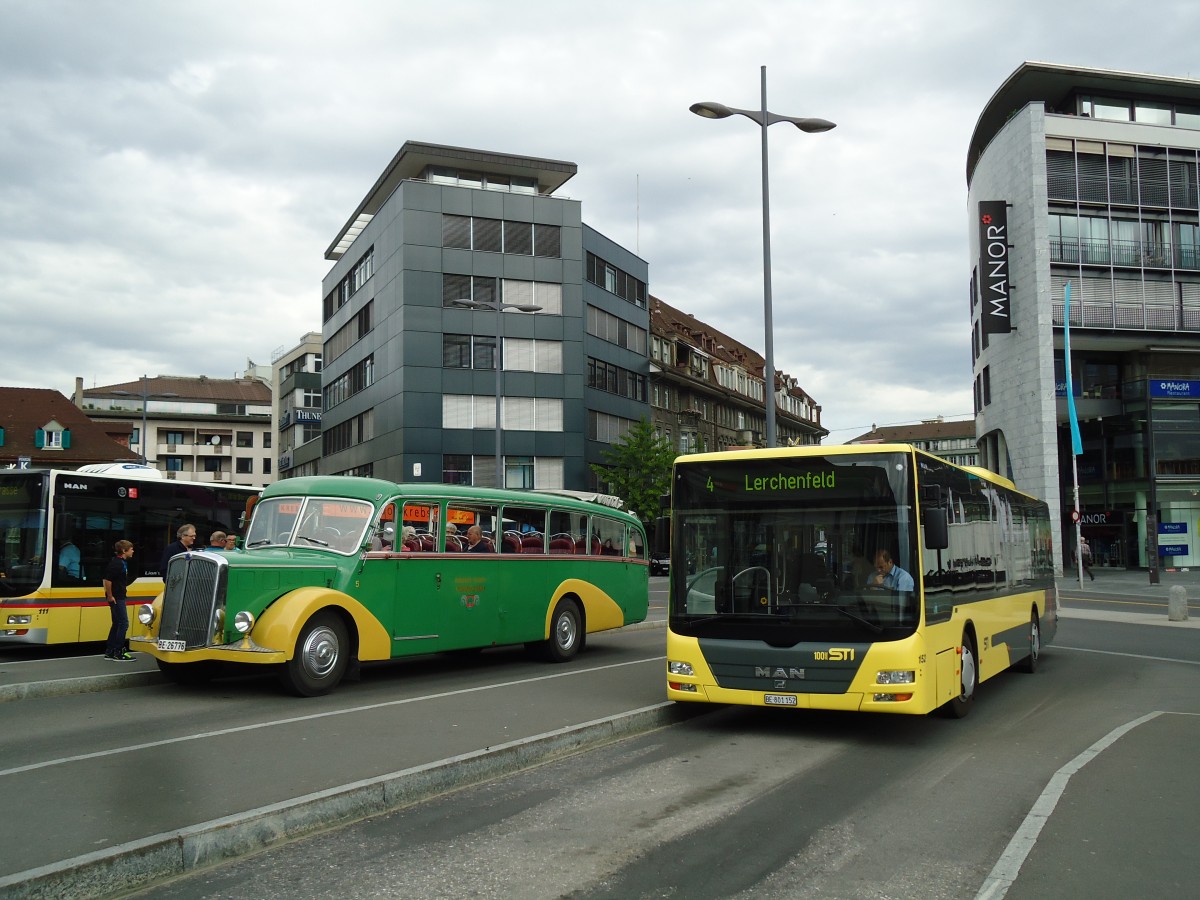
x,y
1030,663
967,683
566,632
320,659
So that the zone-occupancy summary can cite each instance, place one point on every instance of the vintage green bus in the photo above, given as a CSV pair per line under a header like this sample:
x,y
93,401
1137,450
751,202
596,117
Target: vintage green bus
x,y
339,570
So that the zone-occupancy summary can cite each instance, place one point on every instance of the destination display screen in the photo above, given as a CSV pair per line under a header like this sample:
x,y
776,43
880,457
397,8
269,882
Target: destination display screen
x,y
807,480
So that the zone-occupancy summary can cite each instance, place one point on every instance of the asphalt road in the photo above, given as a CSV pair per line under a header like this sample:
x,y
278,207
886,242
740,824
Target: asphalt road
x,y
1078,781
714,804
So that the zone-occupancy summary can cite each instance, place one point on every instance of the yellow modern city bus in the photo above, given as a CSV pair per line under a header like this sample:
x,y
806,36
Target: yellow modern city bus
x,y
874,577
57,530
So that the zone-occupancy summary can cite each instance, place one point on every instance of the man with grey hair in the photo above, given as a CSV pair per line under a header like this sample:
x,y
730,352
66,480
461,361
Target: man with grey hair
x,y
185,537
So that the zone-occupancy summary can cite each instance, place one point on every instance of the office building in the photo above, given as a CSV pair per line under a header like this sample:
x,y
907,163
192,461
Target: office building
x,y
412,326
296,406
1088,178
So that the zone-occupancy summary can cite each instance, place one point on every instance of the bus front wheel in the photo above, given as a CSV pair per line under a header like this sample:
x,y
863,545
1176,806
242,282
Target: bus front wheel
x,y
566,632
320,658
967,683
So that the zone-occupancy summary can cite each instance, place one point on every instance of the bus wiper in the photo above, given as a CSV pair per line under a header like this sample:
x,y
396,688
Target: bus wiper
x,y
866,623
259,543
312,540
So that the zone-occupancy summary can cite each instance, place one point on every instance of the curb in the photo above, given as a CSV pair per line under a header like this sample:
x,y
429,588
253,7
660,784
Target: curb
x,y
139,863
87,684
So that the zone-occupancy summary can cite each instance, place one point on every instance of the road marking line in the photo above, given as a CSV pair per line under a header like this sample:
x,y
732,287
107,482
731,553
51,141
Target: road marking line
x,y
322,715
1005,872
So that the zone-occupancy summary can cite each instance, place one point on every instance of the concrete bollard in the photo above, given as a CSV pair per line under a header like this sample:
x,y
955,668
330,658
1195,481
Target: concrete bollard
x,y
1177,610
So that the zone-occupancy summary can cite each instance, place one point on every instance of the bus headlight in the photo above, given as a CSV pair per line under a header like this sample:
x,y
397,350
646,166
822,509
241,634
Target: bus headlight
x,y
145,614
896,676
218,623
243,622
20,620
679,668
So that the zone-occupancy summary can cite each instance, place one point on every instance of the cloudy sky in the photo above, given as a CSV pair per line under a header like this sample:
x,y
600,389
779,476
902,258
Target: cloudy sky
x,y
172,172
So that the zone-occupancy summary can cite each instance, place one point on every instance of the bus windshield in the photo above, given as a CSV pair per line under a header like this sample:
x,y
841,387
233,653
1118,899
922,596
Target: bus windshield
x,y
330,523
794,549
23,531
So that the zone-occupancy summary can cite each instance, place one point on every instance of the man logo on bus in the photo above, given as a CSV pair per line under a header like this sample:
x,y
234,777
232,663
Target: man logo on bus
x,y
777,672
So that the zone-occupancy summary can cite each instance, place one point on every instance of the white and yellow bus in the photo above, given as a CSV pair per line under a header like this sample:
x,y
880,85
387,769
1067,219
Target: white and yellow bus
x,y
875,578
57,530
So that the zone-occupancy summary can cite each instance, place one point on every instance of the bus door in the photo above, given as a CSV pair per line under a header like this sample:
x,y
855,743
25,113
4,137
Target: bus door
x,y
400,579
472,597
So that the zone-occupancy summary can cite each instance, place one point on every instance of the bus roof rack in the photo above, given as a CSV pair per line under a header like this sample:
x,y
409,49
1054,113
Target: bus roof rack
x,y
589,496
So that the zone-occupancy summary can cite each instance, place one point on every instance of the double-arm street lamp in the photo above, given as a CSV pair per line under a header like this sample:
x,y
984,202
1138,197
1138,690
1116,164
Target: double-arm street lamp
x,y
146,395
498,308
765,119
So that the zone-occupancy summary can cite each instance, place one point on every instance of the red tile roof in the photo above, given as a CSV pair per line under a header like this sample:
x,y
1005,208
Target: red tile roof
x,y
24,410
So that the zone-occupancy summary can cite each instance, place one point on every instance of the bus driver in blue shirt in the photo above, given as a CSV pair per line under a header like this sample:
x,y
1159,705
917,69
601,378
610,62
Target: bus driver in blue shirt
x,y
888,575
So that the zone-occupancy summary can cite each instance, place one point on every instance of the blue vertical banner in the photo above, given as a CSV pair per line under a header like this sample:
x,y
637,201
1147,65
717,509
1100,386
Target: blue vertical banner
x,y
1076,442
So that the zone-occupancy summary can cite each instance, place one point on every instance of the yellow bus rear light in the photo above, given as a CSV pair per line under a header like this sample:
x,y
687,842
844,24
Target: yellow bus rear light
x,y
680,686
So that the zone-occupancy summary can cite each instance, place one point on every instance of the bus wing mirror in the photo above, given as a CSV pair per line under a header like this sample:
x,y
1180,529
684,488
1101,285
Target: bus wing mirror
x,y
937,532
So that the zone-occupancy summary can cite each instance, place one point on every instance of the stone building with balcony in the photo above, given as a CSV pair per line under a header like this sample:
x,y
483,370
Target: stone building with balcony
x,y
1088,178
197,428
707,389
296,406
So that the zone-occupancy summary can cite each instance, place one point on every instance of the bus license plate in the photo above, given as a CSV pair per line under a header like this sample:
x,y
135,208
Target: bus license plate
x,y
779,699
172,645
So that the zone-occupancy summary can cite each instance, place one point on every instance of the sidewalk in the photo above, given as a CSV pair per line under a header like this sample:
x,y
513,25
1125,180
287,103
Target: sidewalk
x,y
1131,583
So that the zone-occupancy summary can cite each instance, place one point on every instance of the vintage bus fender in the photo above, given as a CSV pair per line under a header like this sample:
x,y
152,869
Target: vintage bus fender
x,y
600,611
279,625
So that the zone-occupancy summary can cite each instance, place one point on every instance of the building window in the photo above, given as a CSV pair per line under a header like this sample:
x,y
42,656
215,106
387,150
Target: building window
x,y
479,288
518,472
456,468
266,440
174,437
467,351
245,465
266,465
173,463
245,439
212,464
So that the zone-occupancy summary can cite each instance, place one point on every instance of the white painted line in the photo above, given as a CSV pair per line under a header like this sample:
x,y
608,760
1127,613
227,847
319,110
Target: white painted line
x,y
1005,872
1127,618
322,715
1186,662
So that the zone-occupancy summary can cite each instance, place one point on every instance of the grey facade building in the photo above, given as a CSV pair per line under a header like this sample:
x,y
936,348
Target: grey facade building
x,y
296,406
409,380
1089,178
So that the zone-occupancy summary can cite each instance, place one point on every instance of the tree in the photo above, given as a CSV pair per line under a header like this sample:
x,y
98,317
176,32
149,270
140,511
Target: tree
x,y
638,470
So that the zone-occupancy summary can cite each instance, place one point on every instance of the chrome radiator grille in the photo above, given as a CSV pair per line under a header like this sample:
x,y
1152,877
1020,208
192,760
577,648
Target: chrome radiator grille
x,y
194,591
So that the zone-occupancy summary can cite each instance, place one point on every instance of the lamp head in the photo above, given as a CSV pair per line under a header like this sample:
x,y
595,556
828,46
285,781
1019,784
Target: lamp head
x,y
814,126
711,110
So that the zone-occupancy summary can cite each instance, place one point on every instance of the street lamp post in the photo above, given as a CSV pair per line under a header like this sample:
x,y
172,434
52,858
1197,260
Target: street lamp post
x,y
498,308
146,395
710,110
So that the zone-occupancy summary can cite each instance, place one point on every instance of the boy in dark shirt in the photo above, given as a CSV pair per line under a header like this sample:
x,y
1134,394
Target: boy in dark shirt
x,y
116,580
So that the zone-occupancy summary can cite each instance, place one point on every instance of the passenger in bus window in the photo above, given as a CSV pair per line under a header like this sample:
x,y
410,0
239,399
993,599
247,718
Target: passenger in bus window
x,y
888,575
68,559
475,541
231,542
216,541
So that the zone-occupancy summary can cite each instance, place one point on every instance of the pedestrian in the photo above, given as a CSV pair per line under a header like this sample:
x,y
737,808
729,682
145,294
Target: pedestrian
x,y
116,581
216,541
185,537
1085,554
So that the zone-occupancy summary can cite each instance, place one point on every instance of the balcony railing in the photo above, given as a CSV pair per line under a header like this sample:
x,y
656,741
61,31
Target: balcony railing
x,y
1134,254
